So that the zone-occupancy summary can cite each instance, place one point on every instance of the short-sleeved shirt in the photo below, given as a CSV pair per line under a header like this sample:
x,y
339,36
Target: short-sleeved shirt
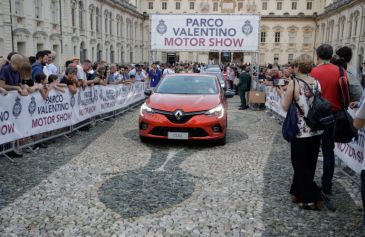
x,y
10,75
81,75
155,77
328,76
114,77
52,68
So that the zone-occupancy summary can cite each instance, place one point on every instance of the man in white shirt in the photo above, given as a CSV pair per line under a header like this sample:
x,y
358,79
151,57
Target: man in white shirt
x,y
45,68
51,67
82,71
168,70
139,73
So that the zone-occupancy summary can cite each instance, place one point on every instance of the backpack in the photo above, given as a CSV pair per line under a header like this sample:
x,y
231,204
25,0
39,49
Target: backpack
x,y
320,111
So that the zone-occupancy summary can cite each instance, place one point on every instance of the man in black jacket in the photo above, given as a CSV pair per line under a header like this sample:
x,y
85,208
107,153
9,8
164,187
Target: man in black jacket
x,y
244,85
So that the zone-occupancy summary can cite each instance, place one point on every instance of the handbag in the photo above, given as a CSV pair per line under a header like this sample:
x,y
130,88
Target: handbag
x,y
290,127
344,130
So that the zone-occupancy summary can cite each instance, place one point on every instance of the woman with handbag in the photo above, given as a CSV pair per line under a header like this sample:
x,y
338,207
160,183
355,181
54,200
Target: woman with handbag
x,y
304,147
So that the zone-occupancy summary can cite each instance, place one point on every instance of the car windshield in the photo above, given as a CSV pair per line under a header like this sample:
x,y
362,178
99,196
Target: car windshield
x,y
218,74
186,84
213,69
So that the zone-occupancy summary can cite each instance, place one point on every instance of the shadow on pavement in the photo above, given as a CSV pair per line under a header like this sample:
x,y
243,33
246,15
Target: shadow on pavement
x,y
283,218
27,172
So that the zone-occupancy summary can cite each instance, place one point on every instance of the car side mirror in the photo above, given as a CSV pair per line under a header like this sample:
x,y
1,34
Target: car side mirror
x,y
229,94
148,92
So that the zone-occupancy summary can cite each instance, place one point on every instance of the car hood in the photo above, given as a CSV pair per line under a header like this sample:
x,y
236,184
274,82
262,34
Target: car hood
x,y
187,103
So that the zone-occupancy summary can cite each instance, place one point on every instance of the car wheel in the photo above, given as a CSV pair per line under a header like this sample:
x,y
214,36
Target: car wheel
x,y
144,139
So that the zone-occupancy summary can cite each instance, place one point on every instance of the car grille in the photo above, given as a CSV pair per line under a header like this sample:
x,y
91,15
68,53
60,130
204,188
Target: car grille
x,y
183,119
193,132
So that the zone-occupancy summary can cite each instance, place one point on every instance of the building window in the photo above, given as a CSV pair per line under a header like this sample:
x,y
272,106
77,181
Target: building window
x,y
106,23
110,24
279,6
264,6
294,5
277,37
164,5
292,36
97,20
150,5
307,37
92,20
309,5
73,13
38,9
18,7
118,26
290,58
276,58
356,22
81,17
263,37
192,5
240,6
54,10
215,7
178,5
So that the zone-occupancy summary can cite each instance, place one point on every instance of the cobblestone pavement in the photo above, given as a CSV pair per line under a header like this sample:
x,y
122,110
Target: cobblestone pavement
x,y
105,182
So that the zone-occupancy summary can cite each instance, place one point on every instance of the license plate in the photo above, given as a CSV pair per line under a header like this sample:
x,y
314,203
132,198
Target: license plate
x,y
178,135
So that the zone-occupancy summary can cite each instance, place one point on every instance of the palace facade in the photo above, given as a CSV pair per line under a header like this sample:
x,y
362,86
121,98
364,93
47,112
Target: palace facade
x,y
118,30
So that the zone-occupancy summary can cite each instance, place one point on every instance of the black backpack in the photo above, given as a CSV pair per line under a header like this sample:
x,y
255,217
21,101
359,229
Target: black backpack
x,y
320,111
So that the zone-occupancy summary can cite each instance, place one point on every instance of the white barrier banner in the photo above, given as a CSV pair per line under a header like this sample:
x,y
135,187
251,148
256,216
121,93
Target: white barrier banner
x,y
184,32
352,154
23,116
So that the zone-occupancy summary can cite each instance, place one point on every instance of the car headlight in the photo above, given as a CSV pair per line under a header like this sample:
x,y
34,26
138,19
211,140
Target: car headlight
x,y
217,111
145,109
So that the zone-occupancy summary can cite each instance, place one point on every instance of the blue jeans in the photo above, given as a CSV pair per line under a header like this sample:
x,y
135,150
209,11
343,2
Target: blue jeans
x,y
328,146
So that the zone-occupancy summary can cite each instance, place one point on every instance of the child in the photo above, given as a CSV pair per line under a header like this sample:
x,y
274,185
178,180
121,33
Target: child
x,y
54,83
41,84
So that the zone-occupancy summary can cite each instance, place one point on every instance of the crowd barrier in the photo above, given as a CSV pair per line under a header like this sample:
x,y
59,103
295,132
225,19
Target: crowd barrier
x,y
27,116
352,154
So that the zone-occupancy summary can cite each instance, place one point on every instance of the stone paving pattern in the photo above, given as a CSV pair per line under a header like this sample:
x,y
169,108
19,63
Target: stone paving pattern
x,y
107,183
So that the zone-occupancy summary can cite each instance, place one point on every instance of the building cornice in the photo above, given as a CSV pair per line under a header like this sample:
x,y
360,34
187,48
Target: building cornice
x,y
337,6
124,6
297,17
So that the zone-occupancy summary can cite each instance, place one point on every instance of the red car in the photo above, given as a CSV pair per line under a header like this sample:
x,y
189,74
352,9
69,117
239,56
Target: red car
x,y
185,107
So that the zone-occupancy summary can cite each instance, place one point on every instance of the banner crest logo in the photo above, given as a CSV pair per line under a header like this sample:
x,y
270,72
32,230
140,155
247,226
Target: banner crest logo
x,y
17,108
161,27
32,106
72,101
247,28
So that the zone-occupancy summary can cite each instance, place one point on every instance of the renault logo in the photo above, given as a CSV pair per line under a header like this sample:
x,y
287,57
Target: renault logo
x,y
179,114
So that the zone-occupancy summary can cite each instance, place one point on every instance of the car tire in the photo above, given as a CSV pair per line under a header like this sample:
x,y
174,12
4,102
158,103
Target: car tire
x,y
144,139
221,141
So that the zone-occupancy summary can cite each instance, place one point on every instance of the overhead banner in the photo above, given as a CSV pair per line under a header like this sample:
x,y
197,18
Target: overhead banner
x,y
205,32
24,116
